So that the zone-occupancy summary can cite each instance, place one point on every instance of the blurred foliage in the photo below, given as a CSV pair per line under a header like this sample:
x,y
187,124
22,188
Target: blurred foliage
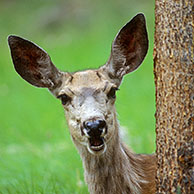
x,y
36,152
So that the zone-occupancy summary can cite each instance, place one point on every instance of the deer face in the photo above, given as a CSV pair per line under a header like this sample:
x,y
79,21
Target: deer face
x,y
88,99
88,96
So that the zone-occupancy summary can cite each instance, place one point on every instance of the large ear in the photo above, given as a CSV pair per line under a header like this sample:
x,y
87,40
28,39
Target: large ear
x,y
128,49
33,64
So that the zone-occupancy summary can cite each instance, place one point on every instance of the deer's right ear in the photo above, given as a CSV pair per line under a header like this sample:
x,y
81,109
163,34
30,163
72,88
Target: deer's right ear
x,y
33,64
128,49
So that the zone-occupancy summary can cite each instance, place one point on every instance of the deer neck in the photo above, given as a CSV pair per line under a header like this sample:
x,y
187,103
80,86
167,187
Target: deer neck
x,y
113,171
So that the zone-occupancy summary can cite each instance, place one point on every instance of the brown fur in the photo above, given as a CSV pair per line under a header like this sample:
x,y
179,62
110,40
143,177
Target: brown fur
x,y
110,167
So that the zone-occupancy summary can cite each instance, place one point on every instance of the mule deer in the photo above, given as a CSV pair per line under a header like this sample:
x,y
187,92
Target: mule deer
x,y
88,98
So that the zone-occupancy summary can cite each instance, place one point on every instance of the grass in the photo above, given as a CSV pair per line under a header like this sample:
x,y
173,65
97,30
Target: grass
x,y
37,155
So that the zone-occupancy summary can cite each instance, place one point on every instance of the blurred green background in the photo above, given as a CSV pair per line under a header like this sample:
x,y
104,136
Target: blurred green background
x,y
37,155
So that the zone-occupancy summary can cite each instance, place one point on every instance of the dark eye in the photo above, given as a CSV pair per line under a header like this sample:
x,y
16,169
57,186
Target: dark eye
x,y
112,92
64,98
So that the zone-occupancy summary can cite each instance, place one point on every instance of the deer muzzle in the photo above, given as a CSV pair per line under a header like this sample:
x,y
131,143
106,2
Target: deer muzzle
x,y
95,131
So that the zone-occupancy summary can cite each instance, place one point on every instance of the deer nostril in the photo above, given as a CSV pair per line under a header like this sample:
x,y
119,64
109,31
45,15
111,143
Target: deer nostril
x,y
94,127
101,124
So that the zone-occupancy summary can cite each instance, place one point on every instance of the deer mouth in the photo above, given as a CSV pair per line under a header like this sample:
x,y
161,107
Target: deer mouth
x,y
96,144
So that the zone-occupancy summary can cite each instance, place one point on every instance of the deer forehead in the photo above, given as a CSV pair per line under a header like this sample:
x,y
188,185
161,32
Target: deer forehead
x,y
87,82
88,78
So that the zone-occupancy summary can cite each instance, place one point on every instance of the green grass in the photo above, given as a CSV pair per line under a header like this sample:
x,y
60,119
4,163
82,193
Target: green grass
x,y
37,155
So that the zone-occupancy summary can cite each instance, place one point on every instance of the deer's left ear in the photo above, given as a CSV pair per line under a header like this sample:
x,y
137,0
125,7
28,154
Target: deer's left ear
x,y
128,49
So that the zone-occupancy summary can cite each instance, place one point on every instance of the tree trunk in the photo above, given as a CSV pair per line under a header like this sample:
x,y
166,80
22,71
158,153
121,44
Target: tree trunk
x,y
174,80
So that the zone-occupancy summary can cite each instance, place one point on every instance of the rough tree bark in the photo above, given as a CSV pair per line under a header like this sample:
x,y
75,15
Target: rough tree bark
x,y
174,80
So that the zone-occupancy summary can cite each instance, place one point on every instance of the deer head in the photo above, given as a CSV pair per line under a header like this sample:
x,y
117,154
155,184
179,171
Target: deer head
x,y
88,96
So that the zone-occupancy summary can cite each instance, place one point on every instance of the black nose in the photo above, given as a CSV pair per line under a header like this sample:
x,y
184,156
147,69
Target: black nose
x,y
94,128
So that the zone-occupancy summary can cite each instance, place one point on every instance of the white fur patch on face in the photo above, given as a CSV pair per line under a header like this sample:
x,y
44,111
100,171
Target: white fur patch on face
x,y
91,109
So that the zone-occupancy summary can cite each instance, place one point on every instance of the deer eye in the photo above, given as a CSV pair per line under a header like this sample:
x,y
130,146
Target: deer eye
x,y
64,98
112,93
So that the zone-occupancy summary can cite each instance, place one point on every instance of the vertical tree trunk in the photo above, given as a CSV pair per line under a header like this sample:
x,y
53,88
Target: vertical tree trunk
x,y
174,80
